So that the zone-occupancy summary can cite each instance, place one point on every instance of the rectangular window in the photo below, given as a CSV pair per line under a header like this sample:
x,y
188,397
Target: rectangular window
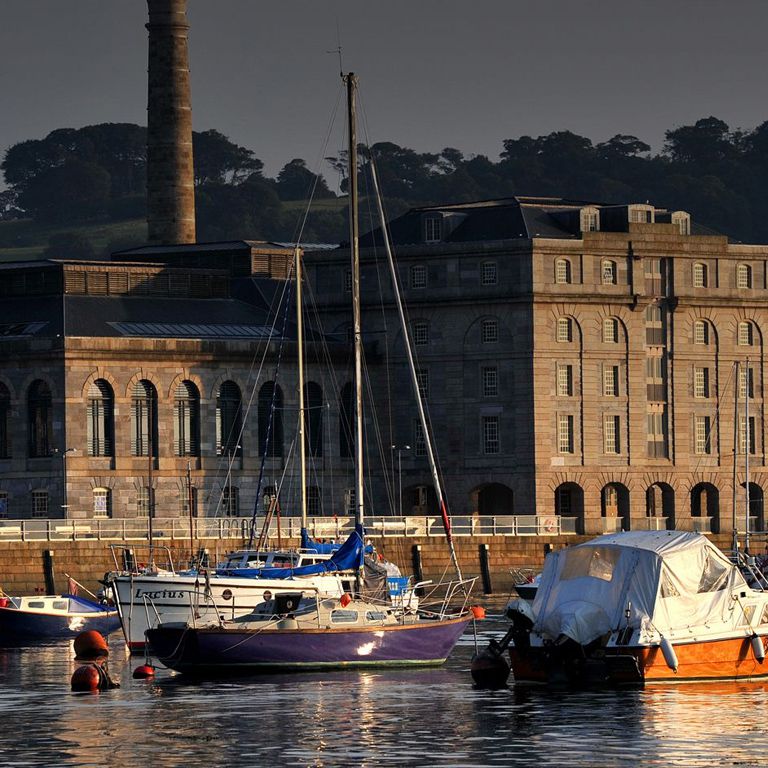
x,y
3,505
313,501
39,503
703,439
565,434
611,435
700,382
657,432
418,276
564,329
419,445
422,378
746,382
184,502
101,503
609,272
433,230
564,380
490,331
350,504
490,434
743,434
488,275
490,379
142,502
230,501
610,380
420,334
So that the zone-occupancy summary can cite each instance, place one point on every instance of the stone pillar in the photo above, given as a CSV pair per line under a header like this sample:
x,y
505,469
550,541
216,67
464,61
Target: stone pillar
x,y
170,172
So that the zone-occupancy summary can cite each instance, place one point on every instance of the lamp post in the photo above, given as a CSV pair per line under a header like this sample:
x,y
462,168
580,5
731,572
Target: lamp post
x,y
400,449
65,504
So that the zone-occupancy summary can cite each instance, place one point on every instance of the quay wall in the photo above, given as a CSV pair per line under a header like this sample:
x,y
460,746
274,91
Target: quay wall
x,y
22,569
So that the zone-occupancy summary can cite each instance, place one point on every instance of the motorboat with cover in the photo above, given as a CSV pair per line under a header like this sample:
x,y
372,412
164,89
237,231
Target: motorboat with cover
x,y
633,608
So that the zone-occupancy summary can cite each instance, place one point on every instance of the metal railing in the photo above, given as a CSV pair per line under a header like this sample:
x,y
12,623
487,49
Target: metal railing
x,y
177,528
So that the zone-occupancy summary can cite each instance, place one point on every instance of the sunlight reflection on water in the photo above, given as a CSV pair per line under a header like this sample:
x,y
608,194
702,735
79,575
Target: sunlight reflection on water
x,y
399,717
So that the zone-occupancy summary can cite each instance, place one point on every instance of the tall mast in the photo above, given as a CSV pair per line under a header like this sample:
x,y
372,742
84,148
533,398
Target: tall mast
x,y
735,536
354,246
746,456
414,380
302,411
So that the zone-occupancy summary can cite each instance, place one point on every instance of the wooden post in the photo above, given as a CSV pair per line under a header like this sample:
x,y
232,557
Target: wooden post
x,y
50,580
418,572
485,570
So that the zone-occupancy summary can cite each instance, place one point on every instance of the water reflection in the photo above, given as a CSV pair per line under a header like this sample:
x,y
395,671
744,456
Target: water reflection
x,y
399,717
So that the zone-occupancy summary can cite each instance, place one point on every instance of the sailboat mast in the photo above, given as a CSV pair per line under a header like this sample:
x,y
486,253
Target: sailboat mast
x,y
354,246
302,407
746,456
735,537
414,380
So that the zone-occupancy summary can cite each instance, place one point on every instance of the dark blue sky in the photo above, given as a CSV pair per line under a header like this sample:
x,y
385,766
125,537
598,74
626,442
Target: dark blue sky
x,y
434,73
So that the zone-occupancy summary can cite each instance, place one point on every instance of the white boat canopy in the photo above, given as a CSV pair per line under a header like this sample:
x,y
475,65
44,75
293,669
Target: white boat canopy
x,y
665,581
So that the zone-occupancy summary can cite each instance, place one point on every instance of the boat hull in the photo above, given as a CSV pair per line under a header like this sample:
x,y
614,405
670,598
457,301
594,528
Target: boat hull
x,y
221,650
715,659
18,626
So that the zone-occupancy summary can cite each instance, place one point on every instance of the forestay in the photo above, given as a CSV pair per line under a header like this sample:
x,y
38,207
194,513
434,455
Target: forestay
x,y
658,580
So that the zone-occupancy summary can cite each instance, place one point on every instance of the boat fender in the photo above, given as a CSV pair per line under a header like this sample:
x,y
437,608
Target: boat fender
x,y
90,645
478,612
143,672
758,649
92,678
669,653
345,600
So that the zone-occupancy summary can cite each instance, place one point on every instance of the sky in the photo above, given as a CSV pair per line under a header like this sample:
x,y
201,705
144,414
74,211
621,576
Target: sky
x,y
433,73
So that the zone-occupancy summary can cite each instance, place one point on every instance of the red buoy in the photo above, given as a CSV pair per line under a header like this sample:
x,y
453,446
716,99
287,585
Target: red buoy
x,y
90,645
143,672
86,678
478,611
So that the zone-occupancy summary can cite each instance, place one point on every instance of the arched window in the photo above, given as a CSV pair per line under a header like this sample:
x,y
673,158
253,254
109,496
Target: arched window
x,y
346,422
743,276
102,502
40,419
610,330
562,271
144,419
564,329
699,275
229,419
5,414
186,420
608,272
701,332
270,420
100,412
313,403
746,335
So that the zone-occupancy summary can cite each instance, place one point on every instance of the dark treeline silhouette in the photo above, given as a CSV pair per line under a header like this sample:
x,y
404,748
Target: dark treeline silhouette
x,y
98,173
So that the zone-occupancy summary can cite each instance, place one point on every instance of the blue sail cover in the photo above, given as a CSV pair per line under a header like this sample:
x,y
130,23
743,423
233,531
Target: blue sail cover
x,y
349,556
324,547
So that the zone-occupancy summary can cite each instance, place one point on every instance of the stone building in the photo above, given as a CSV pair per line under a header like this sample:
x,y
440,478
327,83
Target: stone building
x,y
578,360
134,374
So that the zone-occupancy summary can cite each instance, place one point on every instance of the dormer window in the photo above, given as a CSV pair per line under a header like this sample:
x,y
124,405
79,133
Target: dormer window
x,y
640,214
589,219
433,229
682,222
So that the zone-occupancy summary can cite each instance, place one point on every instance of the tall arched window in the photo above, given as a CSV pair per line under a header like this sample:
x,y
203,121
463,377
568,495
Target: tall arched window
x,y
40,419
101,420
229,419
563,271
610,330
186,420
270,409
746,334
564,329
144,419
5,414
346,422
701,332
313,402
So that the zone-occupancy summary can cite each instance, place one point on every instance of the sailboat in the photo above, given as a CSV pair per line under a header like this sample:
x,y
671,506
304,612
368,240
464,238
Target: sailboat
x,y
360,628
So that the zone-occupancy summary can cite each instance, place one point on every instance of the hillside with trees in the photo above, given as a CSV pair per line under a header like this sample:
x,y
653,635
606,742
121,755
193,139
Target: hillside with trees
x,y
75,182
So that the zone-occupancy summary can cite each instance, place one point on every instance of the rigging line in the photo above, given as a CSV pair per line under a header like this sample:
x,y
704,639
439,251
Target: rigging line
x,y
299,231
270,420
277,299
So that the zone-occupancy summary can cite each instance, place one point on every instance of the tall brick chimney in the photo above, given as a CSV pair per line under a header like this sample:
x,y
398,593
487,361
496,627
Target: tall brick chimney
x,y
170,173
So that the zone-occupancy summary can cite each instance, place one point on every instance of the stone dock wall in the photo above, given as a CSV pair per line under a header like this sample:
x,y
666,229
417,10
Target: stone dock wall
x,y
22,569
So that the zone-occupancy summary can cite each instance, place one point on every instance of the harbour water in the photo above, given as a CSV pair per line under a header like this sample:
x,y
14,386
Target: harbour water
x,y
399,717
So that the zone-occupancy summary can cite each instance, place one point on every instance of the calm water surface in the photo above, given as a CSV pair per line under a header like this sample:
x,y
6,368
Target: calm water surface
x,y
399,718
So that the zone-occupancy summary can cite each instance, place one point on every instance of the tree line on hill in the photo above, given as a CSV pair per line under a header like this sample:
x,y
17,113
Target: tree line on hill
x,y
98,173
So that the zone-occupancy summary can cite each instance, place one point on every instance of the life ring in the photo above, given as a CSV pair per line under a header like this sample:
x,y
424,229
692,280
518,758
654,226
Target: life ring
x,y
550,524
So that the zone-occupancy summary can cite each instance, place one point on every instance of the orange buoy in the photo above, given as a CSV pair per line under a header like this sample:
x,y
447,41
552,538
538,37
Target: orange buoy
x,y
345,600
86,679
143,672
478,611
90,645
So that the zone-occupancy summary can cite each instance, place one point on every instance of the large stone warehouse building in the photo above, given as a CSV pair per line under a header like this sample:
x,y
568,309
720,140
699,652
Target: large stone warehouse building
x,y
577,361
